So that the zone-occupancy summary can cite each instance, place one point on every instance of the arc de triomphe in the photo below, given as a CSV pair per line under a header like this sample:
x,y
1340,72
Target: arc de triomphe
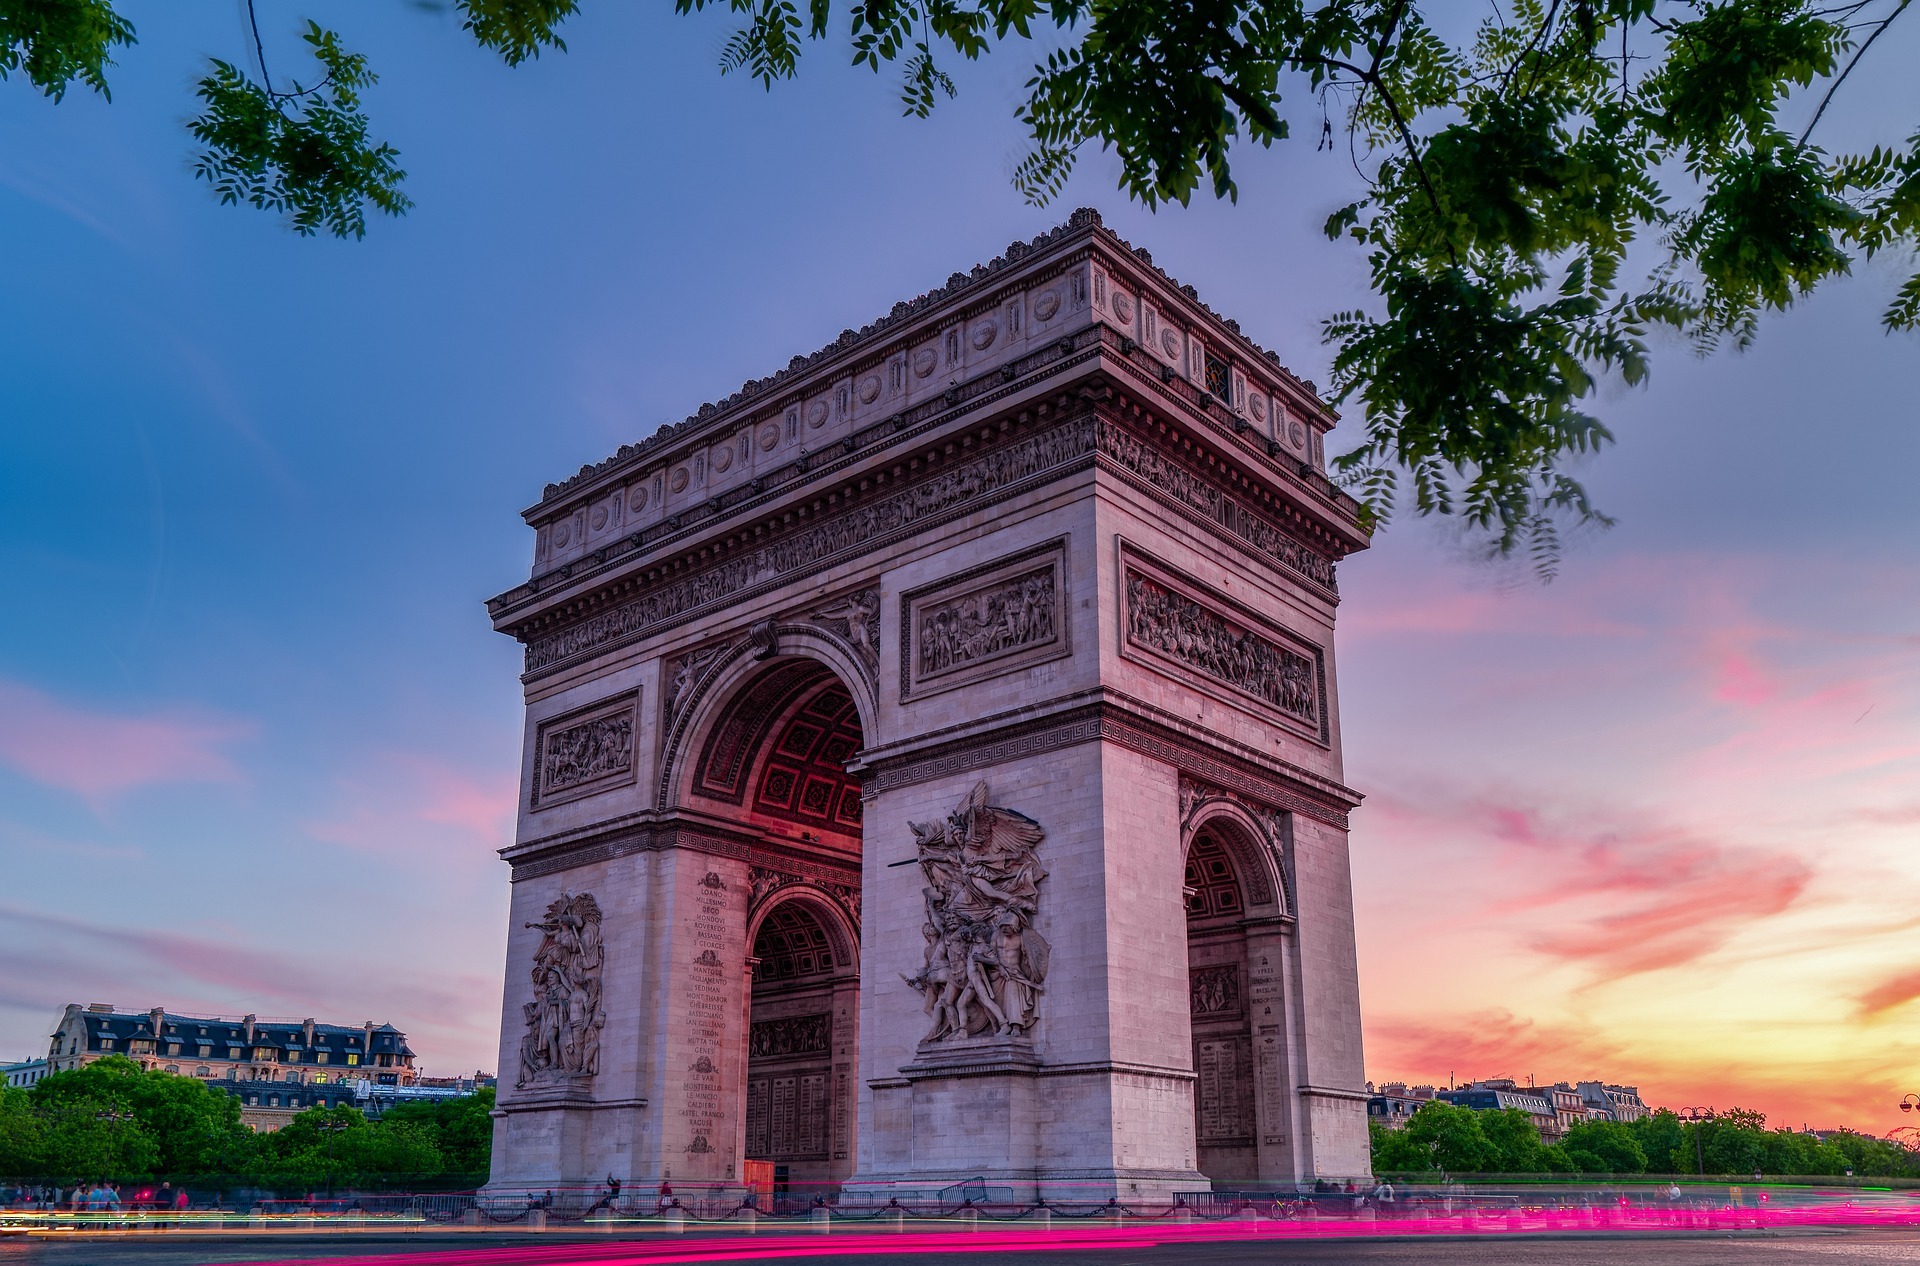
x,y
932,766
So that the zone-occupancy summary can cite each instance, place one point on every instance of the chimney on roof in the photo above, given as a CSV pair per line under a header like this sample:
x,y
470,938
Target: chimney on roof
x,y
249,1021
103,1008
306,1026
157,1015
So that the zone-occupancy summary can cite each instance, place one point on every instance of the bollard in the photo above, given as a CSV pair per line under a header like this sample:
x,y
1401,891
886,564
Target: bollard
x,y
537,1220
749,1219
606,1219
896,1220
470,1217
256,1218
674,1220
821,1219
1043,1217
1183,1215
970,1219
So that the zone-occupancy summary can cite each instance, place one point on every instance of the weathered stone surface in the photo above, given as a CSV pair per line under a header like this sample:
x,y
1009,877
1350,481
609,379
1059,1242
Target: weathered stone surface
x,y
946,731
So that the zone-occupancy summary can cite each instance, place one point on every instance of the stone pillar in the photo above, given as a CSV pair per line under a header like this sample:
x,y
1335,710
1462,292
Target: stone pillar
x,y
1269,1004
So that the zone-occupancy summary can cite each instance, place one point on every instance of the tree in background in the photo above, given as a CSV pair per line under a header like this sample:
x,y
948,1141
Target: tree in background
x,y
461,1128
1438,1138
1603,1147
1547,181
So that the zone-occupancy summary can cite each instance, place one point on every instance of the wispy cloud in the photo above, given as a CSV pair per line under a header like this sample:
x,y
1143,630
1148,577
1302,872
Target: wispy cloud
x,y
100,754
54,959
1892,992
404,800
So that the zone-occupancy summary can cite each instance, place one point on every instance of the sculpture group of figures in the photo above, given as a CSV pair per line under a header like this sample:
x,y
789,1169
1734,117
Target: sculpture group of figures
x,y
564,1019
1018,613
1177,626
985,963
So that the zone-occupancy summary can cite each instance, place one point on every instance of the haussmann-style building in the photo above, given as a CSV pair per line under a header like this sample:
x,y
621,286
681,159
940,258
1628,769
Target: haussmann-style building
x,y
932,767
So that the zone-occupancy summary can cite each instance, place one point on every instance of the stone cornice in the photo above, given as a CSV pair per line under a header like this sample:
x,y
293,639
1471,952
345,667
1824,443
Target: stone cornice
x,y
678,828
908,319
1055,437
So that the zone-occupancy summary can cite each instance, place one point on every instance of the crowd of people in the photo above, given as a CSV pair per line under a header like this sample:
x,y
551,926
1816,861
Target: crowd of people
x,y
98,1197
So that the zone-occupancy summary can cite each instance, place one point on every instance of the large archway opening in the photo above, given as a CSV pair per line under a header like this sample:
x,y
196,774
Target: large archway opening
x,y
1225,1111
774,763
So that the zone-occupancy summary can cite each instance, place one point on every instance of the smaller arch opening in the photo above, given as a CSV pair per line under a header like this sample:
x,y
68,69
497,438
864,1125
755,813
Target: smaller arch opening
x,y
1212,883
792,945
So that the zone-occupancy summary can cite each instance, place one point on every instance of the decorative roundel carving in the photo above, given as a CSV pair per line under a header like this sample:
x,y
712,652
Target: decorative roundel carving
x,y
599,519
984,334
817,413
677,481
769,436
1170,342
636,498
1123,305
923,362
723,457
1045,304
562,533
869,389
1296,435
1259,406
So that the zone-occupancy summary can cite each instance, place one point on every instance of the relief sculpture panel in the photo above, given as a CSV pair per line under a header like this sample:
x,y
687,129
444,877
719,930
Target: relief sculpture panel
x,y
985,622
564,1019
985,964
583,753
1163,618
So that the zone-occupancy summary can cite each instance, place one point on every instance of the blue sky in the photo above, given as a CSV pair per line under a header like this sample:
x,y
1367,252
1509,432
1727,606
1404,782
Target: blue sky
x,y
257,742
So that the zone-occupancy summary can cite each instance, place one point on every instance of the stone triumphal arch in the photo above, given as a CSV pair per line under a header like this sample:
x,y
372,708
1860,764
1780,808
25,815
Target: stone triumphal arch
x,y
932,767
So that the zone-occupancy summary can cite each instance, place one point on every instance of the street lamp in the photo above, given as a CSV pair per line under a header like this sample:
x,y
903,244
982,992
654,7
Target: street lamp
x,y
1909,1103
1698,1116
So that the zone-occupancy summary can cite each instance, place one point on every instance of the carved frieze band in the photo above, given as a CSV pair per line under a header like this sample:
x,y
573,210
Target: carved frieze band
x,y
989,620
789,1036
1205,633
960,488
586,751
1101,722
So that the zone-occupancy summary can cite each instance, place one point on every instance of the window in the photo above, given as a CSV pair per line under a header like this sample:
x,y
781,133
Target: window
x,y
233,1074
173,1048
202,1071
106,1043
174,1069
234,1052
273,1101
352,1058
206,1052
321,1056
253,1099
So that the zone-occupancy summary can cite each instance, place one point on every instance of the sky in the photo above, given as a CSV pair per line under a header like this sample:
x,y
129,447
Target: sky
x,y
1655,822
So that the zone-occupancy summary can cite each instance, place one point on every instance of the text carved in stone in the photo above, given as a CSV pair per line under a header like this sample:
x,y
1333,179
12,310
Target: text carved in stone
x,y
1166,621
564,1019
985,962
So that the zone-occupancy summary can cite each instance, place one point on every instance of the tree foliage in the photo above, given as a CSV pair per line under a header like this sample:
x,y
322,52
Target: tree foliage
x,y
1548,182
113,1120
1441,1138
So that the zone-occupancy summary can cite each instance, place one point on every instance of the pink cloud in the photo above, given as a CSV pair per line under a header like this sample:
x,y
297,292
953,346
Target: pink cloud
x,y
1625,894
1490,1043
55,959
1890,993
101,755
405,799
